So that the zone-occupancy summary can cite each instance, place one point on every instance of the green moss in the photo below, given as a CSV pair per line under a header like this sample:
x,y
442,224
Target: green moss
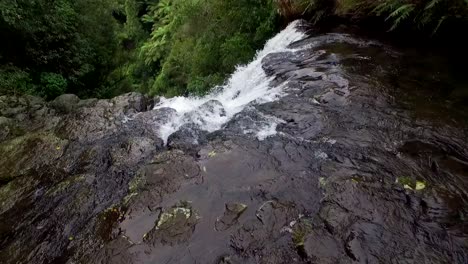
x,y
134,187
405,181
135,184
62,186
322,182
212,154
12,192
300,231
29,151
420,185
167,217
411,184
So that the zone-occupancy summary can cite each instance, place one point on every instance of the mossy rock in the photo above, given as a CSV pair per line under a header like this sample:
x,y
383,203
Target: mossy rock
x,y
230,217
411,184
300,231
12,192
27,152
64,185
9,129
174,225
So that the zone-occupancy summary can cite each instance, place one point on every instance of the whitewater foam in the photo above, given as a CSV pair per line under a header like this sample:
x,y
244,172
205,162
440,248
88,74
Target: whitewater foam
x,y
247,85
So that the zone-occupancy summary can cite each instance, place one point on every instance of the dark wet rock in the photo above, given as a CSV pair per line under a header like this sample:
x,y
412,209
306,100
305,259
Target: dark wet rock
x,y
321,247
230,260
107,223
132,102
115,252
163,175
57,179
231,214
213,106
174,226
8,128
14,191
87,102
96,119
130,151
253,235
188,138
65,103
359,171
29,152
22,108
88,123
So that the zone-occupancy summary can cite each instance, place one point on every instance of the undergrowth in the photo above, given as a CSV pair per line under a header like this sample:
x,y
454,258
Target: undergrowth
x,y
426,15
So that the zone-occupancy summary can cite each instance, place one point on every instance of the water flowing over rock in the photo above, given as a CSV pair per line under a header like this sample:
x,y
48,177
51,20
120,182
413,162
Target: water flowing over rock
x,y
319,151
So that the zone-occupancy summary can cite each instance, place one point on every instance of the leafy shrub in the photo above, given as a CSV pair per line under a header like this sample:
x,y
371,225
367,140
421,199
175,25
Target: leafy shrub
x,y
199,42
15,81
52,85
73,37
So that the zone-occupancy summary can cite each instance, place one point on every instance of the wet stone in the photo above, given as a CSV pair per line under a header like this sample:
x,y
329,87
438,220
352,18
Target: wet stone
x,y
321,247
97,184
29,152
188,138
174,225
65,103
231,214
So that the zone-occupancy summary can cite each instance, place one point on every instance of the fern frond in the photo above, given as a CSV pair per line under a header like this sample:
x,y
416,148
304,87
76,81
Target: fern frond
x,y
400,14
386,6
441,20
431,4
403,10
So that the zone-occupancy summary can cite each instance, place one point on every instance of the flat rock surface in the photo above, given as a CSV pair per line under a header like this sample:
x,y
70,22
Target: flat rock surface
x,y
359,172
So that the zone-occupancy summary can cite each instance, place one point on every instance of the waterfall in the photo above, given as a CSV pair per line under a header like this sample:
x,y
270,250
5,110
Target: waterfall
x,y
248,85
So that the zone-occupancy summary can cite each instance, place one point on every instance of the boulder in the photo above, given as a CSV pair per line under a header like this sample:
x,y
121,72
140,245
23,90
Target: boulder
x,y
65,103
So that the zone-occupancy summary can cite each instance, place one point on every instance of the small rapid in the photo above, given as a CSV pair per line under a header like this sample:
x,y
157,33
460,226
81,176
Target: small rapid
x,y
248,84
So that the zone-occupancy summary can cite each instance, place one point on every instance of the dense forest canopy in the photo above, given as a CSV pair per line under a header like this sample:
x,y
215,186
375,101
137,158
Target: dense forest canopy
x,y
103,48
167,47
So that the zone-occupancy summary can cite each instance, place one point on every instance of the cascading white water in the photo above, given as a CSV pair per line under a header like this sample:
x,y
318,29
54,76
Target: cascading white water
x,y
249,83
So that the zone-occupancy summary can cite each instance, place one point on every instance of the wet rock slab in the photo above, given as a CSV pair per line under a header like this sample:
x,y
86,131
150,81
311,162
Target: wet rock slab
x,y
352,176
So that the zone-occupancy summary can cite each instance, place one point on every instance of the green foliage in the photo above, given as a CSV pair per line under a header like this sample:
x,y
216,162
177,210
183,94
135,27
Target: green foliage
x,y
423,14
163,16
75,39
169,47
313,9
400,14
52,85
15,81
197,43
104,48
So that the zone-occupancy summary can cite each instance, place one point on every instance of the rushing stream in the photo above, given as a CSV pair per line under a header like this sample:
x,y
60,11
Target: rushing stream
x,y
249,84
326,148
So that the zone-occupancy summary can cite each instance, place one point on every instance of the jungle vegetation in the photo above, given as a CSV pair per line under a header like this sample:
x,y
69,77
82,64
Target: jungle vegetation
x,y
167,47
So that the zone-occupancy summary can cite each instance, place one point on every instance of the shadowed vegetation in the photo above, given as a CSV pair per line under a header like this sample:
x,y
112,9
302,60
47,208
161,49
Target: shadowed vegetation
x,y
426,15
